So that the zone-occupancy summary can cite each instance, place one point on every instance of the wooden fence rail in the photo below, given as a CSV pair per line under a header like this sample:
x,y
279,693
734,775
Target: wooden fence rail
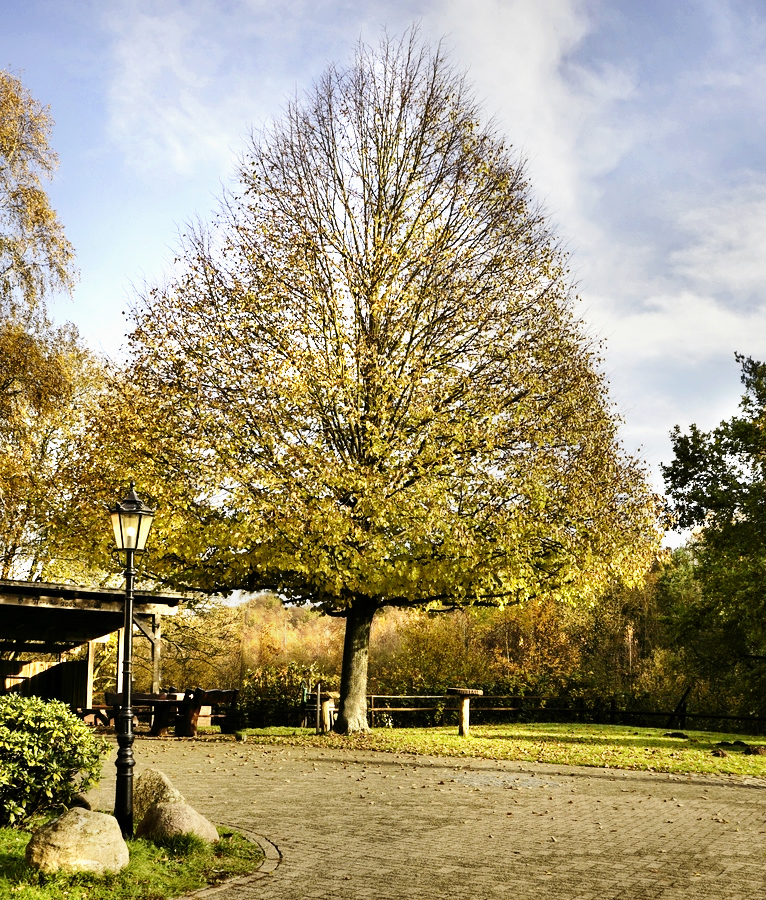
x,y
609,711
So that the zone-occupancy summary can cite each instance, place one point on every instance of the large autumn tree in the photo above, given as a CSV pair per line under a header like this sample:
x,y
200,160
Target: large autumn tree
x,y
365,384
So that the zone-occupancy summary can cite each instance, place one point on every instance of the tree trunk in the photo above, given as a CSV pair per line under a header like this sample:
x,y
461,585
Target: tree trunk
x,y
352,714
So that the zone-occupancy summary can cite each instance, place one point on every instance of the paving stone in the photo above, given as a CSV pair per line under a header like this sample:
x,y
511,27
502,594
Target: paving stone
x,y
396,827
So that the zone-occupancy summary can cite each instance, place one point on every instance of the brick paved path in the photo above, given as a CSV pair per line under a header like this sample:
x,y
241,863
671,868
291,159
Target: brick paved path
x,y
384,827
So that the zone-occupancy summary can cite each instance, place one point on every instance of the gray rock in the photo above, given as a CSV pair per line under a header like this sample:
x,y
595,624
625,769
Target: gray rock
x,y
153,786
79,841
168,819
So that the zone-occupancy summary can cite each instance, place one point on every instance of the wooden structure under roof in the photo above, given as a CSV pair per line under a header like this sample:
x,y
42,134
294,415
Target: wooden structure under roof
x,y
49,619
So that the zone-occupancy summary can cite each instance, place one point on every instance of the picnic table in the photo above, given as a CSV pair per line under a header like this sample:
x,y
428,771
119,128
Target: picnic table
x,y
163,708
181,709
218,706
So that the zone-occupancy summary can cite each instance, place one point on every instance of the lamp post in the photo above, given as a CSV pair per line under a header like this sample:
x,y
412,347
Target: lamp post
x,y
132,521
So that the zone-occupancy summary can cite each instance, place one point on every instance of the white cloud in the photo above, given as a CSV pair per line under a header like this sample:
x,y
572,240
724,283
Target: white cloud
x,y
684,327
514,53
161,67
190,77
725,246
522,57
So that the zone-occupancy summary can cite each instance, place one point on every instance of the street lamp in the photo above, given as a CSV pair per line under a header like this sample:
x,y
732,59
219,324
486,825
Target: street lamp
x,y
132,521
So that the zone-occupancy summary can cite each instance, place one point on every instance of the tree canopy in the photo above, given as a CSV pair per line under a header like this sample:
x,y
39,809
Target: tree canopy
x,y
49,384
366,384
35,256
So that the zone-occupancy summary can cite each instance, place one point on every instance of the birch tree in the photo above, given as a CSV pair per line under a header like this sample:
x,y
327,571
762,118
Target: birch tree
x,y
35,256
49,386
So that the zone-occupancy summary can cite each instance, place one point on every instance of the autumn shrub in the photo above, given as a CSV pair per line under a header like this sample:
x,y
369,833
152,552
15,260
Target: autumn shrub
x,y
47,755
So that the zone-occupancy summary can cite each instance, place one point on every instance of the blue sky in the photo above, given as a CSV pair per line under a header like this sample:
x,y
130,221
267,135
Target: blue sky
x,y
642,122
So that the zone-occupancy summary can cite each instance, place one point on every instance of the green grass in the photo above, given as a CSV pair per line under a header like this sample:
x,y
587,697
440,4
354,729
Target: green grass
x,y
154,873
605,746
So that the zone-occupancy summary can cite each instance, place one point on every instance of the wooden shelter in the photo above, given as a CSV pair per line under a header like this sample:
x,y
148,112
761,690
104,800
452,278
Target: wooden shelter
x,y
49,619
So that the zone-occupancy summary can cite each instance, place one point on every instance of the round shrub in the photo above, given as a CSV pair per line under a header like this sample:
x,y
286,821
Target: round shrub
x,y
47,755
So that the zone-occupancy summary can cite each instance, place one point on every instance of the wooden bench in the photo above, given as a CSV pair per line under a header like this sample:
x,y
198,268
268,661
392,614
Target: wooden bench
x,y
181,709
100,714
223,710
163,708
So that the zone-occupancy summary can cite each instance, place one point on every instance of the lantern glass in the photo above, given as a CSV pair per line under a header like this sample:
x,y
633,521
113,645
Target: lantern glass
x,y
131,522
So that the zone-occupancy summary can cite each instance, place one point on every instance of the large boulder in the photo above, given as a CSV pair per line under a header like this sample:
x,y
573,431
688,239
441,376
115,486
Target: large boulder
x,y
153,786
79,841
164,820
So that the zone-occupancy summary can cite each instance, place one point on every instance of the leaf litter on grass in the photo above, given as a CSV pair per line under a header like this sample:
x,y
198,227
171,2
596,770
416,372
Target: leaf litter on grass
x,y
611,746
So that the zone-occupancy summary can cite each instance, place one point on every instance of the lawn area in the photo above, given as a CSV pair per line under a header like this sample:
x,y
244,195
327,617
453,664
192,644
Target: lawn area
x,y
154,873
605,746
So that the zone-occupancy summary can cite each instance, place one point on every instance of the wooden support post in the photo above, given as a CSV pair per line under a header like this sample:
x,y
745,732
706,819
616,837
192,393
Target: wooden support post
x,y
156,653
89,675
465,695
153,633
465,717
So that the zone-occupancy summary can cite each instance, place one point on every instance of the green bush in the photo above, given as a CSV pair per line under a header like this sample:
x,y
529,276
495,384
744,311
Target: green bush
x,y
47,755
273,695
